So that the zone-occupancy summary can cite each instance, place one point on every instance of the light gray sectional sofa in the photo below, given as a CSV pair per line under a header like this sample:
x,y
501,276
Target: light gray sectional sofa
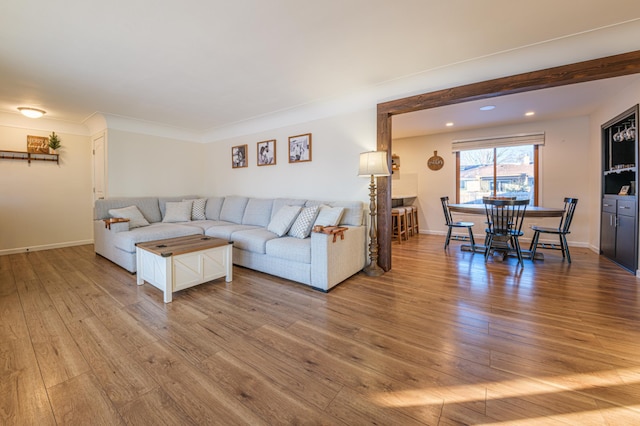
x,y
257,226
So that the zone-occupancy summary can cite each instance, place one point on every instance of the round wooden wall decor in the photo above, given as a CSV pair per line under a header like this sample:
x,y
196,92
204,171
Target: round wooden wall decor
x,y
436,162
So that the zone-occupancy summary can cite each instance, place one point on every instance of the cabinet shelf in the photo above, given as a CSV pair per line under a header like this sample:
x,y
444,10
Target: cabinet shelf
x,y
29,156
618,171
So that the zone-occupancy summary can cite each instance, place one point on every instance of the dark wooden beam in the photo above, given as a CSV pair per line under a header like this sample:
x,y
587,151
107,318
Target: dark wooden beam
x,y
580,72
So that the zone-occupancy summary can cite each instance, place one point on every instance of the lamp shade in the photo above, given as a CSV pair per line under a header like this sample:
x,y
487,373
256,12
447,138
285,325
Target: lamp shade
x,y
373,163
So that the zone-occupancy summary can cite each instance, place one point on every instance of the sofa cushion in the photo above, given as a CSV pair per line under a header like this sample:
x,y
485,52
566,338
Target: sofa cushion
x,y
257,212
353,211
213,207
206,224
156,231
147,205
278,203
198,209
136,219
290,248
254,240
233,209
225,231
284,218
162,202
177,211
301,228
329,216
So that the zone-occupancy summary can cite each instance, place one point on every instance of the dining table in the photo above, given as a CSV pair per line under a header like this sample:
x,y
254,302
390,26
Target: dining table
x,y
531,212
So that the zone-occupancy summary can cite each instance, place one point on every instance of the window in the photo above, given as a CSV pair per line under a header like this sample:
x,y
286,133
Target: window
x,y
497,167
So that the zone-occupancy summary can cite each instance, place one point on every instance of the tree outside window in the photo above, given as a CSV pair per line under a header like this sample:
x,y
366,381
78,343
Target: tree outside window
x,y
497,172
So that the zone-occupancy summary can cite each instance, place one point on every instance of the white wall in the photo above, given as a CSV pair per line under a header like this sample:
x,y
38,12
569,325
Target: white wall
x,y
331,175
145,165
45,205
564,172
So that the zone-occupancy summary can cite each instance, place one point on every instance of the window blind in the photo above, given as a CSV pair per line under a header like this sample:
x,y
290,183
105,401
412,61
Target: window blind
x,y
498,141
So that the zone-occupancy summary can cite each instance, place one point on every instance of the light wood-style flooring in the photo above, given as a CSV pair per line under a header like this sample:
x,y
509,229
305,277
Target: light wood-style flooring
x,y
442,339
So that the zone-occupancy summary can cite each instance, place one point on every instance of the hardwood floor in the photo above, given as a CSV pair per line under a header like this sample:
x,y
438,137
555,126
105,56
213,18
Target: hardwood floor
x,y
442,339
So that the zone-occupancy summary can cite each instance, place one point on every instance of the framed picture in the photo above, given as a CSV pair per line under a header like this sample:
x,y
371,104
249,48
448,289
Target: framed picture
x,y
300,148
239,156
267,153
37,144
624,190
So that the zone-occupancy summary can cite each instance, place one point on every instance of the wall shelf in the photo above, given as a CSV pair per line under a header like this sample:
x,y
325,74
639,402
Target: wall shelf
x,y
29,156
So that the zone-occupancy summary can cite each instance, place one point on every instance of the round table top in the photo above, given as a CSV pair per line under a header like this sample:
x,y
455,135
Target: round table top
x,y
532,211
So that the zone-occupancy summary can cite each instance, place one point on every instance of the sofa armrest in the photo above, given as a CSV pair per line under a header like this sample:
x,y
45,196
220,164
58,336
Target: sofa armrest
x,y
118,227
333,262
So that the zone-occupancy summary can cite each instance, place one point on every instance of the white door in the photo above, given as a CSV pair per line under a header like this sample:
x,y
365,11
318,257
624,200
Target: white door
x,y
99,167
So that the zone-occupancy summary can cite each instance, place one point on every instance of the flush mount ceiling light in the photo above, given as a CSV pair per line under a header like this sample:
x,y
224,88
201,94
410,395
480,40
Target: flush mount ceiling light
x,y
530,113
487,107
449,124
31,112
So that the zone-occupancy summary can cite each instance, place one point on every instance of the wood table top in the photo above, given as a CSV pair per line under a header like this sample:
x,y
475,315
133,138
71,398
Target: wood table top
x,y
532,211
182,245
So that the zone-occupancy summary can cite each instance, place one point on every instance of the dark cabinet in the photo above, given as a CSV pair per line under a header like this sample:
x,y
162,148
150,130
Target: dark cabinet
x,y
618,225
618,232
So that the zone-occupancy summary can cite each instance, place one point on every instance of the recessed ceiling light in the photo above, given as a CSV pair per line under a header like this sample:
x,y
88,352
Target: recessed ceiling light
x,y
31,112
449,124
530,113
487,107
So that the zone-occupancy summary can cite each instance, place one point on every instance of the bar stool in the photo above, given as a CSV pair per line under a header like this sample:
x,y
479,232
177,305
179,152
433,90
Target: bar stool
x,y
410,220
399,224
413,220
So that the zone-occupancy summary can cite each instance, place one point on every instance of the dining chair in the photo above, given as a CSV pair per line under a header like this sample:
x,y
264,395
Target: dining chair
x,y
504,226
561,231
453,224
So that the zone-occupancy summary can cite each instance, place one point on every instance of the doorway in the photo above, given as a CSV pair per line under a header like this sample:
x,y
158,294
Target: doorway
x,y
596,69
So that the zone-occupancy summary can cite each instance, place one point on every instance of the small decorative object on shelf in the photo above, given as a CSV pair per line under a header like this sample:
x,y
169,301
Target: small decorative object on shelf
x,y
395,163
37,144
54,143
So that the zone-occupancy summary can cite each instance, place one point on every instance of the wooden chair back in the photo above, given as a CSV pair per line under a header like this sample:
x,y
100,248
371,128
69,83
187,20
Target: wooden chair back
x,y
505,217
445,208
567,217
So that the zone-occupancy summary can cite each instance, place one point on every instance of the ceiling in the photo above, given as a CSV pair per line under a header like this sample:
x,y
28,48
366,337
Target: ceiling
x,y
546,104
200,65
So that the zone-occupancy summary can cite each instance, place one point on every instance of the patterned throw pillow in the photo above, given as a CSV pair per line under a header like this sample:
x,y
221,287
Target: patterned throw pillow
x,y
283,219
178,211
301,228
198,209
136,219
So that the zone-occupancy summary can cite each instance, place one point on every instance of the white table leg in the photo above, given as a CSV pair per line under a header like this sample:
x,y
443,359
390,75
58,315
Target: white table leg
x,y
229,263
168,280
139,271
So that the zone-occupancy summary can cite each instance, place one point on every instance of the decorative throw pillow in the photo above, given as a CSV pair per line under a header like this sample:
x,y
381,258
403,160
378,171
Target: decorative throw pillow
x,y
136,219
179,211
198,209
329,216
301,228
283,219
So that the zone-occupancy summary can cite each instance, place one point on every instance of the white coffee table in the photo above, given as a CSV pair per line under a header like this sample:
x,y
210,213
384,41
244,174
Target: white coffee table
x,y
177,263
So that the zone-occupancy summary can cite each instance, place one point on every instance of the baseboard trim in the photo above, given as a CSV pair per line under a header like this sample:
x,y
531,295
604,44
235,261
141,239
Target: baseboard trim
x,y
45,247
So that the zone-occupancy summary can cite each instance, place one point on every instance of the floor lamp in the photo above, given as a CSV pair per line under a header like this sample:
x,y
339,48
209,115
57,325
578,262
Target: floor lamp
x,y
373,164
